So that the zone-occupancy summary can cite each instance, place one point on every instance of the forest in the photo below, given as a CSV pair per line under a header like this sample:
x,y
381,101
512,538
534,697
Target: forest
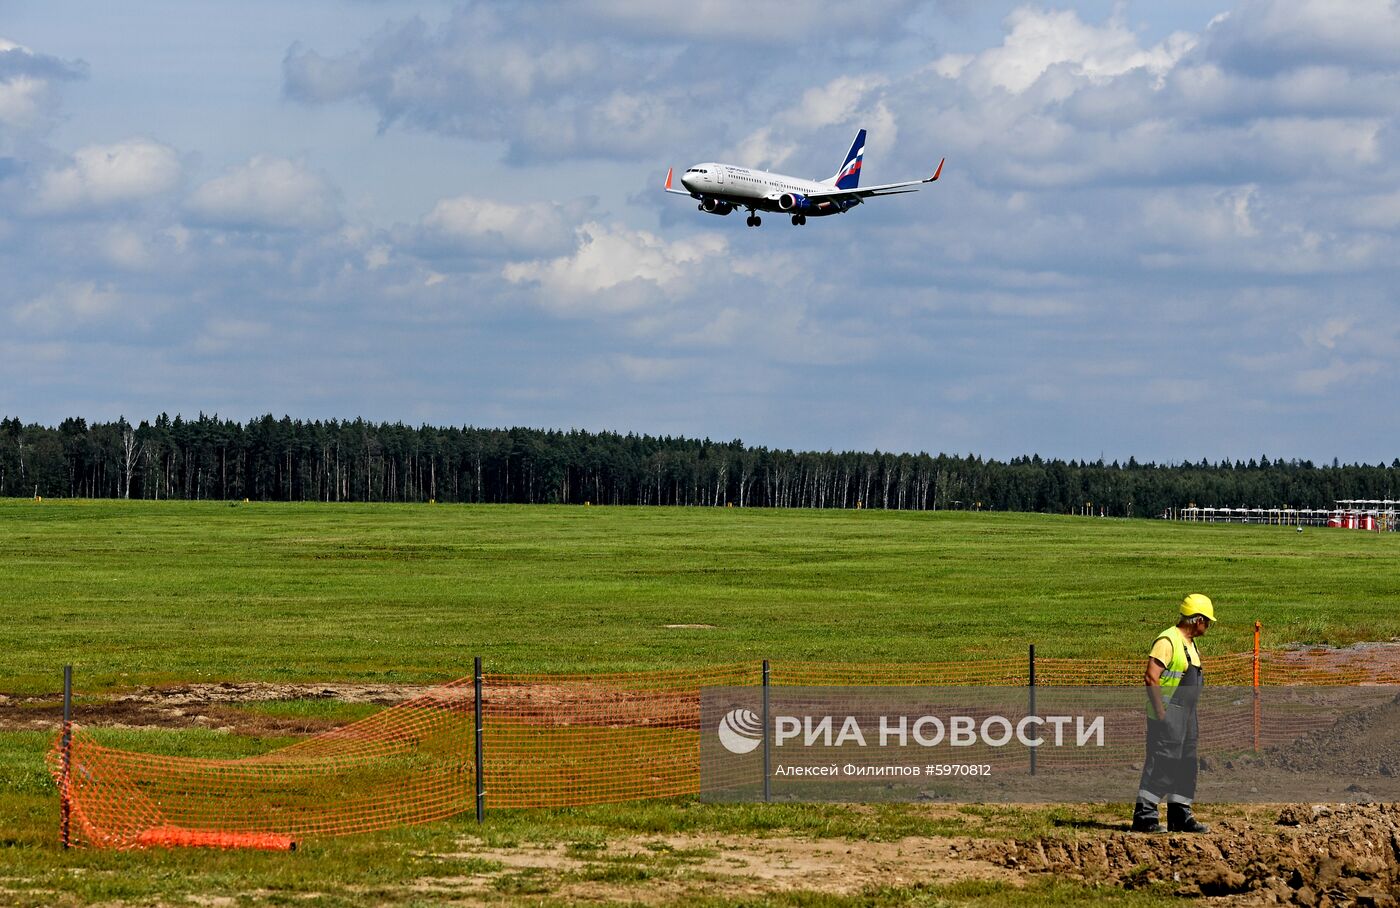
x,y
269,459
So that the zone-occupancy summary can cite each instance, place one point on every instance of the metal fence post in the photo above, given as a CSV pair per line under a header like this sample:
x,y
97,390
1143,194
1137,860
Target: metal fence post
x,y
1030,699
480,775
65,777
1258,712
767,754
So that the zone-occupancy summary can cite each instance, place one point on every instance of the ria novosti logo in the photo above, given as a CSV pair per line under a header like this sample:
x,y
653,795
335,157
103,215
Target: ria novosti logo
x,y
740,731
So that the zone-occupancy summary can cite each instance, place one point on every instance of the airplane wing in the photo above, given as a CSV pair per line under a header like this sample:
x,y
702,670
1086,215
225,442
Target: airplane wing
x,y
684,192
865,192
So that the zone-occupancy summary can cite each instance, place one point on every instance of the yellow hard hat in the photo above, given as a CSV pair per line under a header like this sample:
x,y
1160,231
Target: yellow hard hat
x,y
1196,604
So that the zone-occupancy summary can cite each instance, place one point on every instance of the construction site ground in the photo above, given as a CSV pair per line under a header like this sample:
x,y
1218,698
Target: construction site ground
x,y
683,852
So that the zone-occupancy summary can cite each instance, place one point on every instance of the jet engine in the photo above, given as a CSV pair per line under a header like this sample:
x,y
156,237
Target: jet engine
x,y
791,201
715,206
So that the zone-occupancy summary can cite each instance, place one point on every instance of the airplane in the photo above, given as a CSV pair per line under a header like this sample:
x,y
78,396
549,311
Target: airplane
x,y
721,188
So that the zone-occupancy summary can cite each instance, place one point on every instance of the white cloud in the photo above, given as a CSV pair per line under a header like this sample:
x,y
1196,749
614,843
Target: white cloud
x,y
21,99
1330,332
748,22
67,306
485,74
222,335
834,102
103,175
475,224
378,256
610,79
615,269
723,328
763,148
853,100
1038,40
27,85
1199,219
1338,372
1273,35
268,193
126,248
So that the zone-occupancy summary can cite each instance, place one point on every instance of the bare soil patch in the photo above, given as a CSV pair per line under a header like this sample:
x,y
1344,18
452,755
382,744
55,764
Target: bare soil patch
x,y
200,705
223,705
1309,855
1312,855
676,866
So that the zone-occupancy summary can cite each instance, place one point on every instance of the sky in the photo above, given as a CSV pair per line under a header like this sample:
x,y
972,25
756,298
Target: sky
x,y
1167,231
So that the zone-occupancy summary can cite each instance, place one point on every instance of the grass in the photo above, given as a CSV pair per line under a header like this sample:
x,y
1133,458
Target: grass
x,y
136,593
174,592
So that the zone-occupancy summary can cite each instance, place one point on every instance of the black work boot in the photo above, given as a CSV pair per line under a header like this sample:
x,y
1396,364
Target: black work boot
x,y
1180,819
1145,818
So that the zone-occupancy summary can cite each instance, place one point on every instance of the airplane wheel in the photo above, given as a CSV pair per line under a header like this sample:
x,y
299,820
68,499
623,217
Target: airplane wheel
x,y
750,220
757,220
804,219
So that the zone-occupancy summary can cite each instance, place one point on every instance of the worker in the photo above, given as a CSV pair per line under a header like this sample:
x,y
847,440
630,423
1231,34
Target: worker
x,y
1173,680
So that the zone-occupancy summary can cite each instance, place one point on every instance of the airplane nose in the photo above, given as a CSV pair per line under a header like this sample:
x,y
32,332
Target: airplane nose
x,y
688,180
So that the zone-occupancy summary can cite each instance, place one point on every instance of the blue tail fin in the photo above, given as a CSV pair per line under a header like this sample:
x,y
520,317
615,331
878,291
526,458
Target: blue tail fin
x,y
848,177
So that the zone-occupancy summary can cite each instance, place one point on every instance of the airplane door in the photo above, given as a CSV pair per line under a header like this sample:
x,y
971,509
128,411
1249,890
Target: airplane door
x,y
719,175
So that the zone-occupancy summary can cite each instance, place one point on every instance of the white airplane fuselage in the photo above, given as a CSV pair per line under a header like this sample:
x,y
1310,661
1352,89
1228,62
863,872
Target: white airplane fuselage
x,y
720,185
721,188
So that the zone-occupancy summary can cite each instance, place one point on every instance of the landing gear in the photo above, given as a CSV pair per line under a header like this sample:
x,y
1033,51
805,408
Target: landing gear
x,y
754,220
798,220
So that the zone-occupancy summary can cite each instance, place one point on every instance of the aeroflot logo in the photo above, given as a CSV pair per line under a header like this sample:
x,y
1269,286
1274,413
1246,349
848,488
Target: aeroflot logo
x,y
741,731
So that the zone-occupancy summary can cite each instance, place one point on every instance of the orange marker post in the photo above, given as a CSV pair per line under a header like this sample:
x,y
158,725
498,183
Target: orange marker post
x,y
1257,711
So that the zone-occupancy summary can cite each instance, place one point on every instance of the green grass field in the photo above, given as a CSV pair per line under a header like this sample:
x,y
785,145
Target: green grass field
x,y
153,593
156,592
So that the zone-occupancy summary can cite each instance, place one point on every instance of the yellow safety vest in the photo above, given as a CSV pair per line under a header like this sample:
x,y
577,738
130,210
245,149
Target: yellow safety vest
x,y
1184,657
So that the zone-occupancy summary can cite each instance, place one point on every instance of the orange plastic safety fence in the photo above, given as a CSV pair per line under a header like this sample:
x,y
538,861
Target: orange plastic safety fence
x,y
560,740
411,763
175,837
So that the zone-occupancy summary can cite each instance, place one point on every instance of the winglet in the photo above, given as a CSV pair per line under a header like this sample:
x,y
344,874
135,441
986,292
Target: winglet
x,y
670,175
936,172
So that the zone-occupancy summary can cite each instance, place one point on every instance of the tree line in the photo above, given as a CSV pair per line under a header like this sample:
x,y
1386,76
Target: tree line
x,y
269,459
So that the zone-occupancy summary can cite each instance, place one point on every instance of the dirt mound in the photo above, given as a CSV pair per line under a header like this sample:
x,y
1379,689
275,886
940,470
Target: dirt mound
x,y
1315,855
1362,742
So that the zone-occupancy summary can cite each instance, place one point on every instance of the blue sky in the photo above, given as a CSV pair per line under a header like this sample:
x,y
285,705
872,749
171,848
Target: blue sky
x,y
1164,230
